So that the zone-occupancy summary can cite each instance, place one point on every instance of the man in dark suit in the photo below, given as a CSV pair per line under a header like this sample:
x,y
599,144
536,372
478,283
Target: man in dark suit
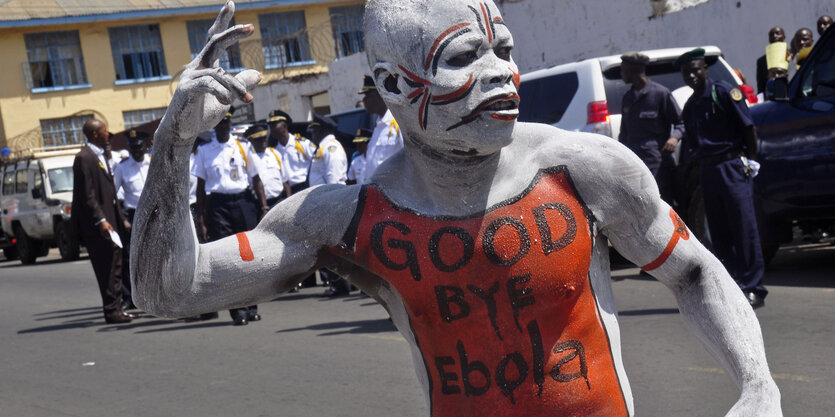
x,y
98,220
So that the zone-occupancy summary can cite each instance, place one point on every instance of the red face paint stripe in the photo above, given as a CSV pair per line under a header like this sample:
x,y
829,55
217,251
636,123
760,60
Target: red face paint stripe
x,y
438,41
516,77
680,232
415,94
413,77
487,19
245,249
457,93
500,117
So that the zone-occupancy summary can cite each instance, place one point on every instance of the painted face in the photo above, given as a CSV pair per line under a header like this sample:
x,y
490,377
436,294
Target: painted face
x,y
464,95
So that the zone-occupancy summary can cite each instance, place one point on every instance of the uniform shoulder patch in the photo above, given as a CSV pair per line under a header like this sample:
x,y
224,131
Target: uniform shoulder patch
x,y
332,148
736,94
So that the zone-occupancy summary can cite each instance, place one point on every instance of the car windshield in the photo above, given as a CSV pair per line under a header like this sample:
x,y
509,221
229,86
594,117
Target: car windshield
x,y
661,72
60,180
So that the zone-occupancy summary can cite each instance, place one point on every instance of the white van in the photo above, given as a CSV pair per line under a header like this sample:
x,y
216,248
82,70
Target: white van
x,y
586,95
35,202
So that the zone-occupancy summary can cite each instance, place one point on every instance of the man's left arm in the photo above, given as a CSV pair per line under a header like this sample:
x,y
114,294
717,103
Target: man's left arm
x,y
254,168
649,233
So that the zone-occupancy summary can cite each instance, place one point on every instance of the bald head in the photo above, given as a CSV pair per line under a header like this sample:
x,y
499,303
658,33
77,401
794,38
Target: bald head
x,y
96,132
776,34
823,24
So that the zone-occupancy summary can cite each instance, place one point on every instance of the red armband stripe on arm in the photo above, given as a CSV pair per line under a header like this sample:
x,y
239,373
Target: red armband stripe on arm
x,y
243,246
680,232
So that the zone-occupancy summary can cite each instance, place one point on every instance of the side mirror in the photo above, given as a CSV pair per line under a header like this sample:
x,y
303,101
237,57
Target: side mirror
x,y
36,193
777,89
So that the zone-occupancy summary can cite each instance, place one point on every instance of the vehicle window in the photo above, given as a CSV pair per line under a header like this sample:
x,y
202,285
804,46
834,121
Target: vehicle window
x,y
22,181
60,180
545,100
38,180
8,183
663,73
819,78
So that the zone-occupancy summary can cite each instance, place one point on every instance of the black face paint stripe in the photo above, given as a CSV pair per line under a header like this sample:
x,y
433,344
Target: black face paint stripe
x,y
490,20
478,19
443,45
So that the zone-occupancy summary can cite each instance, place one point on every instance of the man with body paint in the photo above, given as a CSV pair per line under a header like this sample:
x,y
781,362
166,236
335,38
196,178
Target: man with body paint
x,y
485,239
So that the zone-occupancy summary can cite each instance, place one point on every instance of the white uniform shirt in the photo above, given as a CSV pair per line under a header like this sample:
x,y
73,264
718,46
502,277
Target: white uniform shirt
x,y
130,176
385,142
224,168
272,172
330,163
192,180
357,168
296,155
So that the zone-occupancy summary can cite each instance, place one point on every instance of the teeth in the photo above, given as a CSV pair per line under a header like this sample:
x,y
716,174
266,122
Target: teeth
x,y
502,105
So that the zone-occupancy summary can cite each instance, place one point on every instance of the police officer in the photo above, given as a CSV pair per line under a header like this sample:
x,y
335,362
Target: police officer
x,y
225,203
648,113
386,139
295,150
129,179
329,166
720,136
273,172
357,167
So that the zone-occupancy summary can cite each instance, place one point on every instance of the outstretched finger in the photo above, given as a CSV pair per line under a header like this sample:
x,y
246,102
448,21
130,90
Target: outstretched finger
x,y
223,19
225,79
218,43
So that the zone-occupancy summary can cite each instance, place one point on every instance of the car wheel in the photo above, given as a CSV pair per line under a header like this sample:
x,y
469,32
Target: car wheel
x,y
10,252
27,248
67,243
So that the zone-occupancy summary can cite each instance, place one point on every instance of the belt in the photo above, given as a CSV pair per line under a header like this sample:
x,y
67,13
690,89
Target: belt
x,y
298,187
227,197
275,200
715,159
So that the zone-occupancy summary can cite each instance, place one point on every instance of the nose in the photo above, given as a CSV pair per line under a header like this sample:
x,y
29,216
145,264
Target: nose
x,y
499,71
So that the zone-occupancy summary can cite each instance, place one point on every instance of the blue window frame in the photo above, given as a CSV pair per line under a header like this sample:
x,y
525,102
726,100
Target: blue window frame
x,y
134,118
137,53
284,39
64,130
198,34
346,22
54,59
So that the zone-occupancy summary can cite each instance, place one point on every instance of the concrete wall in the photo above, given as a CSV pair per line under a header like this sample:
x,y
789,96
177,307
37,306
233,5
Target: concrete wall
x,y
551,32
345,80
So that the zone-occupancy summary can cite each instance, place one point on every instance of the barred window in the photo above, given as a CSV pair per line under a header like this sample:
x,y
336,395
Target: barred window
x,y
64,130
54,59
137,52
136,118
347,29
284,39
198,34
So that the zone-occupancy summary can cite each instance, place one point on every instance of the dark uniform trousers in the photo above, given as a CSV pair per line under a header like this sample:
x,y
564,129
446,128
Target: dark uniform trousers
x,y
729,207
230,214
106,258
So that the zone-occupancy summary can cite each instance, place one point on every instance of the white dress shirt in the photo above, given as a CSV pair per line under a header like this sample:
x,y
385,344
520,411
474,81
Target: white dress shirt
x,y
272,172
330,163
296,155
192,180
357,167
130,176
225,167
385,142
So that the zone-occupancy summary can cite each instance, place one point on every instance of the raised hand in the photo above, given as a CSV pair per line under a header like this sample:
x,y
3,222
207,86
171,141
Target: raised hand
x,y
205,90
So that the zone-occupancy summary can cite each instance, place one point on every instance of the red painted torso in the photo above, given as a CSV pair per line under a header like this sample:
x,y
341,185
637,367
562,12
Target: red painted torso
x,y
500,303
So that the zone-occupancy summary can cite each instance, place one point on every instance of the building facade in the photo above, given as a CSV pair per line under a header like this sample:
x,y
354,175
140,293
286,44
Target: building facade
x,y
121,62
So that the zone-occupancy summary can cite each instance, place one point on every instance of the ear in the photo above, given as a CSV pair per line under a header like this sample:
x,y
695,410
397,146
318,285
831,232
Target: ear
x,y
390,84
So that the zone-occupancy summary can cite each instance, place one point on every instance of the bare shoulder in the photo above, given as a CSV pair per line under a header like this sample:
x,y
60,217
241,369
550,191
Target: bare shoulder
x,y
606,174
318,215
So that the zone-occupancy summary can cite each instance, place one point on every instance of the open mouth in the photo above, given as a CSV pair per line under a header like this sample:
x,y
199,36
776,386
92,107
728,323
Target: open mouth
x,y
504,107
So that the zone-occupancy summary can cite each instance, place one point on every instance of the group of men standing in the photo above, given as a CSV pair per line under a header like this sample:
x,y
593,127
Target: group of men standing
x,y
717,135
234,182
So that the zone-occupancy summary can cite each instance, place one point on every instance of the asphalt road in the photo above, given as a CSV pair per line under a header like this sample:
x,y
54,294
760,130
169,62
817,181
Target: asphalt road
x,y
342,357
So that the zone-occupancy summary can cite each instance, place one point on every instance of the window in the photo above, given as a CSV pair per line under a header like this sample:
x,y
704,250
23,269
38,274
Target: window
x,y
63,131
284,39
8,183
819,75
198,34
22,180
347,29
135,118
137,52
545,100
54,59
60,180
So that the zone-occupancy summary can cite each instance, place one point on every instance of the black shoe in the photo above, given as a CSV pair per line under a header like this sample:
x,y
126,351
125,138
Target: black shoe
x,y
332,292
253,317
755,299
117,318
239,321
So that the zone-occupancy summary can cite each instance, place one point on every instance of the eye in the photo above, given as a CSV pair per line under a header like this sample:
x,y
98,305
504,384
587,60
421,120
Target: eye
x,y
462,60
503,52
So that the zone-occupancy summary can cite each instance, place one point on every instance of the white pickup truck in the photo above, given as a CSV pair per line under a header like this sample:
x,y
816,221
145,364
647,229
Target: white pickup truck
x,y
35,203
